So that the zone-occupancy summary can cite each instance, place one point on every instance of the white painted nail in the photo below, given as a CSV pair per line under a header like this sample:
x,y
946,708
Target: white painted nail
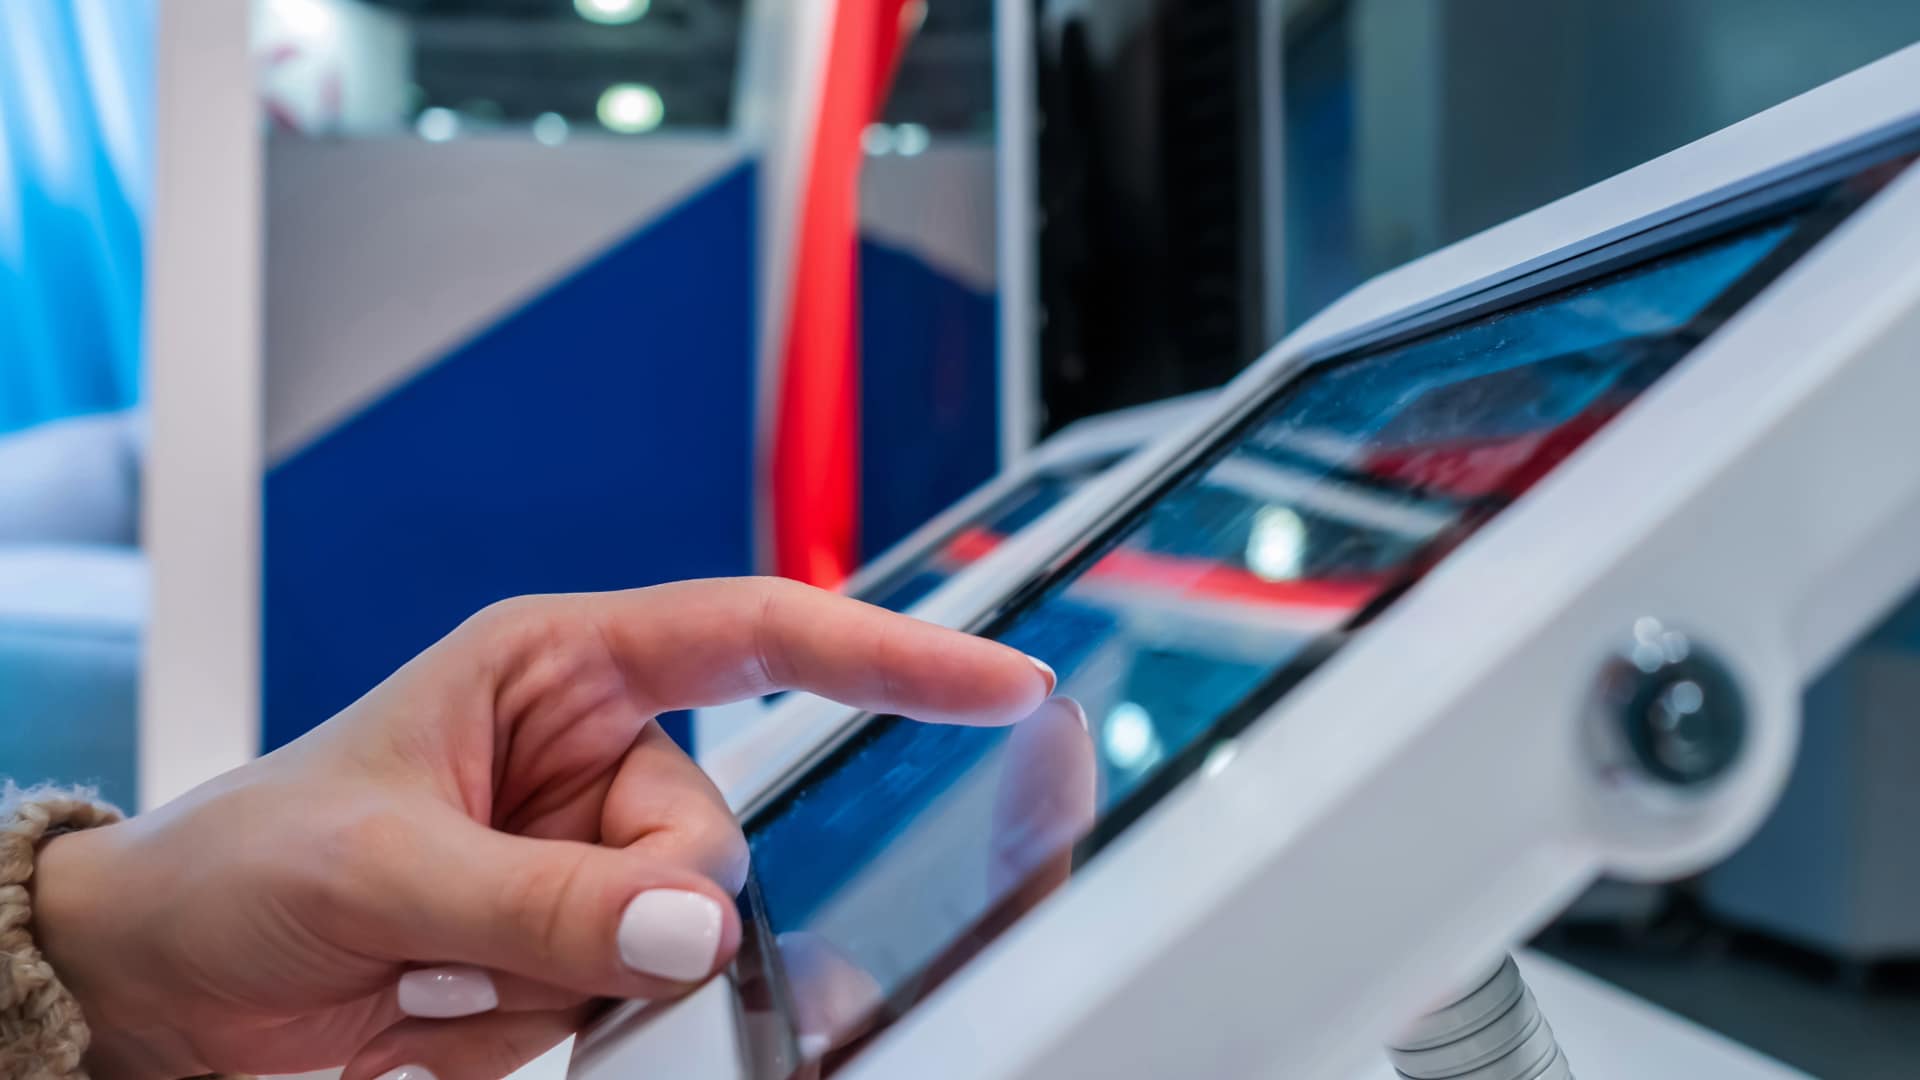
x,y
1079,713
441,993
814,1046
671,933
408,1072
1046,673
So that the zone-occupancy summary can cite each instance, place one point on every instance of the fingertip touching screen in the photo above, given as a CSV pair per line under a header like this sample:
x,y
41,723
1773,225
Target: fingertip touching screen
x,y
884,866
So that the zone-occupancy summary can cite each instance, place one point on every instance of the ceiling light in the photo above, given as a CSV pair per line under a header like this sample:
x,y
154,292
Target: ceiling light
x,y
631,108
305,18
550,129
612,12
437,124
910,140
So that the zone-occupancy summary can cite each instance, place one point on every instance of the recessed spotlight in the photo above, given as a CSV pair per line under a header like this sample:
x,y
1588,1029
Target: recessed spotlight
x,y
911,140
612,12
306,18
437,124
631,108
550,129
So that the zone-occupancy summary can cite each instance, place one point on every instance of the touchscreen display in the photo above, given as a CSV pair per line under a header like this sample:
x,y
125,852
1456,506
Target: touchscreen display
x,y
910,845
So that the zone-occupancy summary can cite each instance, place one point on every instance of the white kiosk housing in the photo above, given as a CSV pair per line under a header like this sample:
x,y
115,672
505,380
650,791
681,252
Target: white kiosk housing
x,y
1505,571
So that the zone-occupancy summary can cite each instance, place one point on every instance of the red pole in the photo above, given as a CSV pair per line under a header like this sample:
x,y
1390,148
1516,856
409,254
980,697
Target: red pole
x,y
816,460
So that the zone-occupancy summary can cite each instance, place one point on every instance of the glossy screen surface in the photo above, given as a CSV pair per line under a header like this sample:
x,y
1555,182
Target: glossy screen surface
x,y
1019,508
912,844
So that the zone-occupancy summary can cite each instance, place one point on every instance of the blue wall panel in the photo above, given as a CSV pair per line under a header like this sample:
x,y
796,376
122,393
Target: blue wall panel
x,y
598,438
929,393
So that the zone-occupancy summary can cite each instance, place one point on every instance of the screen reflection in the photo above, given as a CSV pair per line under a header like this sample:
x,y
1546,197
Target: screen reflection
x,y
895,857
1019,508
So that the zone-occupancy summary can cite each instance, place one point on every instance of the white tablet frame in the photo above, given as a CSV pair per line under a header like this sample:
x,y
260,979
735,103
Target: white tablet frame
x,y
1764,496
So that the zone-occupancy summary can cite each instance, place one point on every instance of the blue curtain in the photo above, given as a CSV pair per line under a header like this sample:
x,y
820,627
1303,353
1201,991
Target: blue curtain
x,y
76,88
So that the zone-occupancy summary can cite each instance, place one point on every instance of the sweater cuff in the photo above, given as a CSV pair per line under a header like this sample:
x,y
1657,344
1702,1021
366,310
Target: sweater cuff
x,y
42,1033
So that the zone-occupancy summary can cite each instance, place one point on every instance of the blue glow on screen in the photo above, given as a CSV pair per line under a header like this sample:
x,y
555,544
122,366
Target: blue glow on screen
x,y
880,854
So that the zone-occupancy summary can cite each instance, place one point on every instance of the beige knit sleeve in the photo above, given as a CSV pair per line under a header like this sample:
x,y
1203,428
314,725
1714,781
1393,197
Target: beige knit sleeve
x,y
42,1034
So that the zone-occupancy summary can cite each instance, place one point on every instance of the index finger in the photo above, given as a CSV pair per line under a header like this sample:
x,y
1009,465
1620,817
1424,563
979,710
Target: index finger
x,y
695,644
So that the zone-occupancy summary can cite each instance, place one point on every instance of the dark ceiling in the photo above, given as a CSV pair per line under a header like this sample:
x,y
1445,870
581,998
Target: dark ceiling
x,y
515,59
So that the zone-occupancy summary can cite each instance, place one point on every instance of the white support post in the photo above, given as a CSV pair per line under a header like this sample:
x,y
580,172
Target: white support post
x,y
200,680
1016,134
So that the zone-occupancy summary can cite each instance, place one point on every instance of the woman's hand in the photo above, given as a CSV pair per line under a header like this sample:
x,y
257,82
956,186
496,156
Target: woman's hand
x,y
445,874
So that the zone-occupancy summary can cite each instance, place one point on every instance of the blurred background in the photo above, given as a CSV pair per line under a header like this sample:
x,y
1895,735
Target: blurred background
x,y
325,322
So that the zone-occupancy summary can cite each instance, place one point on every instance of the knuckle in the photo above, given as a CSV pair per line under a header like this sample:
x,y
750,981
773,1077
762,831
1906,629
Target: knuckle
x,y
375,839
506,634
706,840
513,607
775,665
509,617
890,657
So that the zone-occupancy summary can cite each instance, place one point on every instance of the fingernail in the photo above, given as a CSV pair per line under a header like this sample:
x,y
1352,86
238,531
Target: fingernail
x,y
1046,673
441,993
671,933
814,1046
408,1072
1079,713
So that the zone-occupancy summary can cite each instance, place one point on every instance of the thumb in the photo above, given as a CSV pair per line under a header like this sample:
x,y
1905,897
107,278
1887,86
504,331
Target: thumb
x,y
605,922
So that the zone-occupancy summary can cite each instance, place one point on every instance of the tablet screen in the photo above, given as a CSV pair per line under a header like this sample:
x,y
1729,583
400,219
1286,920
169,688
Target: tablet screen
x,y
910,845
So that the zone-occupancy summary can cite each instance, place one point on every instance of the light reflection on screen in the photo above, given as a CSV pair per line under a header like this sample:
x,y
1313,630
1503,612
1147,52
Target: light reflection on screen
x,y
1359,474
1016,510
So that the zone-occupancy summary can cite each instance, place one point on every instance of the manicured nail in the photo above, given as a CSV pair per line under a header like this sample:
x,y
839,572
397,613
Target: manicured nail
x,y
1079,713
1046,673
671,933
441,993
408,1072
814,1046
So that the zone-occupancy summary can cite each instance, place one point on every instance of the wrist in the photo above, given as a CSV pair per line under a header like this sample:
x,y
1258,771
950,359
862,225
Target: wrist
x,y
86,933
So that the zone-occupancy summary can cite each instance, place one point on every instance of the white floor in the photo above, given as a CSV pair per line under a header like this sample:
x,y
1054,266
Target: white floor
x,y
1607,1034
